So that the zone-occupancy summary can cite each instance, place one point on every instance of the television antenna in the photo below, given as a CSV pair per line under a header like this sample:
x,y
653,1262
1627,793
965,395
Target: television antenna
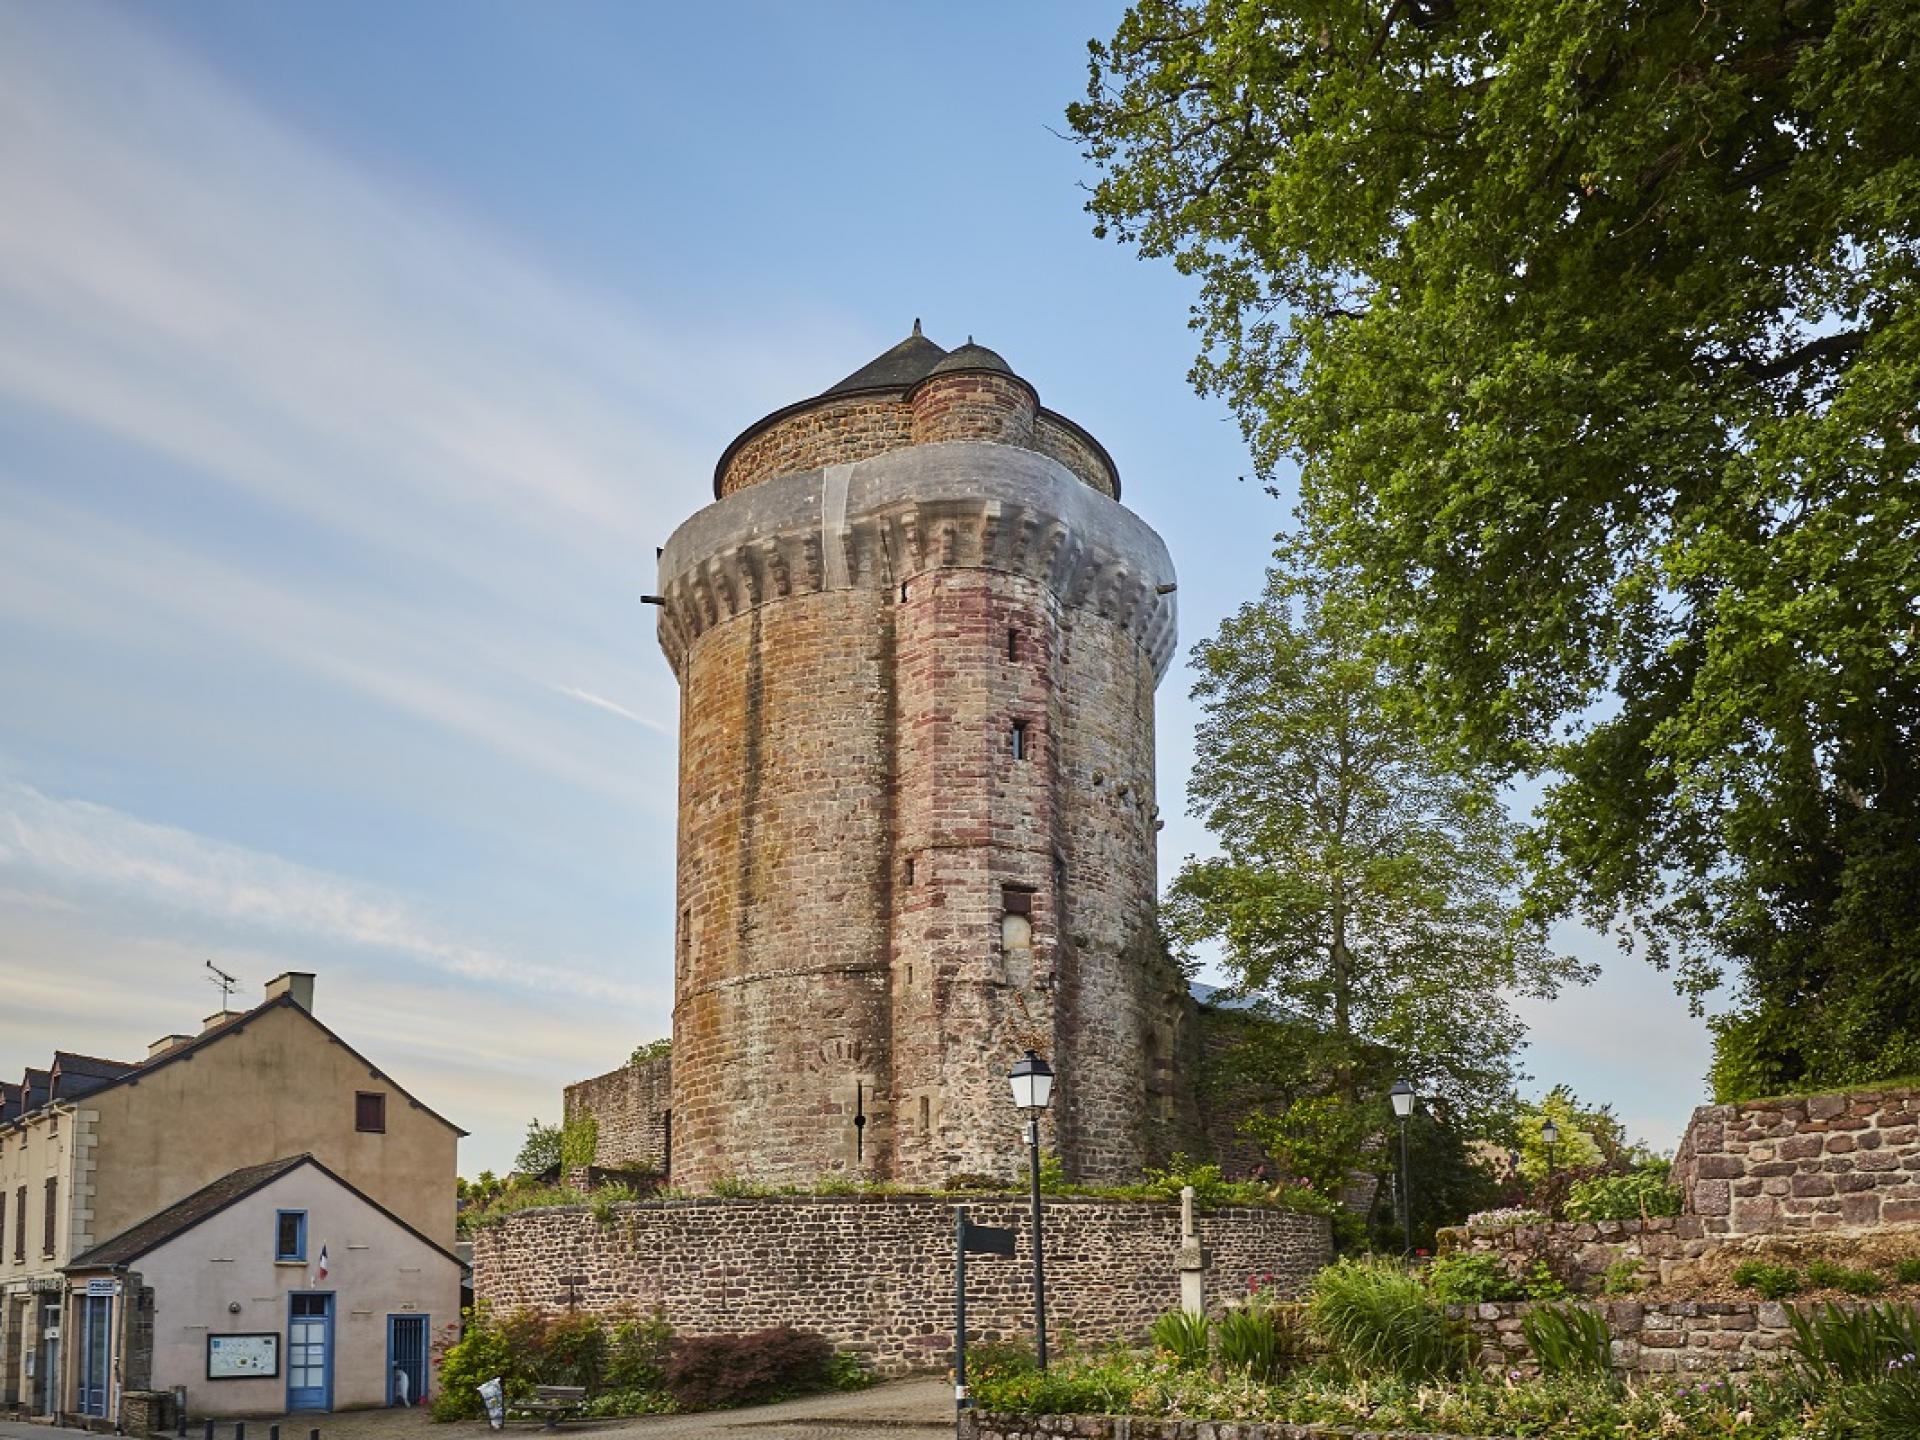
x,y
226,982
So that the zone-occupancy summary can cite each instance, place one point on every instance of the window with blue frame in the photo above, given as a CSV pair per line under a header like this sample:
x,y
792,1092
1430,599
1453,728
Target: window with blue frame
x,y
290,1235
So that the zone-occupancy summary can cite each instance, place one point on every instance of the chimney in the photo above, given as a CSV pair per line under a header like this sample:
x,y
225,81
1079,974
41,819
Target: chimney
x,y
297,984
166,1043
217,1019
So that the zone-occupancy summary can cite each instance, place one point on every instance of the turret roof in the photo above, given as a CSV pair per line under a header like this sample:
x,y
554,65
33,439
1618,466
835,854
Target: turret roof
x,y
894,369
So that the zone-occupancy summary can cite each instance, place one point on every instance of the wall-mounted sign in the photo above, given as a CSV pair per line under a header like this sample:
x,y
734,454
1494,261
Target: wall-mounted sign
x,y
243,1357
107,1287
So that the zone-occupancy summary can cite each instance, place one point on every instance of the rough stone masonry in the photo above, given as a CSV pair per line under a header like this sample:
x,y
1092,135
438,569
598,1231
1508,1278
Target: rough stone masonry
x,y
917,639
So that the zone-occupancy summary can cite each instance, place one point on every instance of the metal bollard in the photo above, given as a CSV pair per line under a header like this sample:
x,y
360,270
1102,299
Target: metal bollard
x,y
239,1430
313,1435
180,1424
273,1432
209,1430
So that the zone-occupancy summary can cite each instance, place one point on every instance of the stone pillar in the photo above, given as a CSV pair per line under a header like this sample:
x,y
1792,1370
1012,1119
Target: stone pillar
x,y
1193,1260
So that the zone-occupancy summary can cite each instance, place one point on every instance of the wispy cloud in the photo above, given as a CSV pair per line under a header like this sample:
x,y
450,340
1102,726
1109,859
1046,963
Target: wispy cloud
x,y
90,849
612,707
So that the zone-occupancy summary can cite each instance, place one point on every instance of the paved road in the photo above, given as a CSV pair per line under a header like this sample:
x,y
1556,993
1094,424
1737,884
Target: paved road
x,y
898,1410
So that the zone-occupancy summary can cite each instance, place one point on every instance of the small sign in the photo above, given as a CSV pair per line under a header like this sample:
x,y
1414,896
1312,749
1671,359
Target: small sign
x,y
107,1287
243,1357
989,1240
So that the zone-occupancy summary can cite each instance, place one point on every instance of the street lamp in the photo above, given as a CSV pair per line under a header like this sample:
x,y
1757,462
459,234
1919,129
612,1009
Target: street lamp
x,y
1402,1097
1549,1137
1032,1081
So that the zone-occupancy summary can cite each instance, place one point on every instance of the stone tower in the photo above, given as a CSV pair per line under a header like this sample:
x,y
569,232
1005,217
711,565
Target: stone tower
x,y
917,639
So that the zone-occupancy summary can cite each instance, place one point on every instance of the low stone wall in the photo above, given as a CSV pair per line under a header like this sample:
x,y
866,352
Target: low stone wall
x,y
1688,1337
1580,1252
986,1425
875,1274
1825,1162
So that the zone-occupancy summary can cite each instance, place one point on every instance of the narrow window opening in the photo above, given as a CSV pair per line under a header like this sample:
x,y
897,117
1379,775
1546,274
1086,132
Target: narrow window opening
x,y
1019,739
903,592
926,1114
686,932
859,1120
909,872
909,974
1013,643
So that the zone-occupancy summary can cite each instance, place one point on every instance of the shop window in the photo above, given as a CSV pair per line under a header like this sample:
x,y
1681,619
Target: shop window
x,y
290,1235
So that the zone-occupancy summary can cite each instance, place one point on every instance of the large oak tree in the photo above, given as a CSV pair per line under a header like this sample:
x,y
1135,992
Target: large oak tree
x,y
1592,327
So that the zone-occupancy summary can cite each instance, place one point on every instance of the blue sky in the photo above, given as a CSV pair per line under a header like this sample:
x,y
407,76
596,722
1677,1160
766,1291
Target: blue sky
x,y
353,360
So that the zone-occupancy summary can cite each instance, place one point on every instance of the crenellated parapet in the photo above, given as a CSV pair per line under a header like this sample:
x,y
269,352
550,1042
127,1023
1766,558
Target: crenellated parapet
x,y
877,523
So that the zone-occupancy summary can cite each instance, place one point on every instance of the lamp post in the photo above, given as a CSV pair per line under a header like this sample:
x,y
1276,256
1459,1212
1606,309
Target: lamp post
x,y
1032,1082
1402,1097
1549,1137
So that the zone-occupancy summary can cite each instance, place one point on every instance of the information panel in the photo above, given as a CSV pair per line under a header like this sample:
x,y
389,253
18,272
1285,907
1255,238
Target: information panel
x,y
243,1357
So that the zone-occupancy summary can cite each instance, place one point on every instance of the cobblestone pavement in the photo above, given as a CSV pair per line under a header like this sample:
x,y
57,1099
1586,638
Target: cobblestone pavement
x,y
899,1410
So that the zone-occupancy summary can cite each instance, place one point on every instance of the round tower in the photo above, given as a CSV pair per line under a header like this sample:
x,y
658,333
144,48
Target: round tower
x,y
917,639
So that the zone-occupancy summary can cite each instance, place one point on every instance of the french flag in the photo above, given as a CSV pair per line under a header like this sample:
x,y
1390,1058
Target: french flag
x,y
320,1269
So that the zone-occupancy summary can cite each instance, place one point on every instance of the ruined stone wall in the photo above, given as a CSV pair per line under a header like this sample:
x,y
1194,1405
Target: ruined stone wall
x,y
630,1112
1824,1162
875,1275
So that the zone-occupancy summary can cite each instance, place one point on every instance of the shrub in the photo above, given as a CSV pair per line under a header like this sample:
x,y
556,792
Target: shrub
x,y
999,1359
1770,1282
1568,1339
1471,1280
566,1349
1852,1347
1887,1409
1623,1277
1906,1270
1826,1275
1638,1195
1379,1319
637,1353
845,1372
1501,1219
1264,1341
1183,1337
468,1361
717,1371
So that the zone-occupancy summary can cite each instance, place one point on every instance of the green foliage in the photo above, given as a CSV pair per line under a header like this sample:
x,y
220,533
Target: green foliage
x,y
845,1372
1378,1319
1768,1281
540,1151
714,1372
1887,1409
615,1357
1823,1274
1641,1194
466,1360
1262,1342
653,1050
636,1353
514,1199
1566,1408
1464,1279
1906,1270
1852,1347
1623,1277
1540,1283
1596,340
1185,1338
1362,891
1568,1339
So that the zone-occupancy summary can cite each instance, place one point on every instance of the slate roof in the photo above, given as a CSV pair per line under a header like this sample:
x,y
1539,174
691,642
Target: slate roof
x,y
894,369
181,1216
76,1075
971,357
9,1101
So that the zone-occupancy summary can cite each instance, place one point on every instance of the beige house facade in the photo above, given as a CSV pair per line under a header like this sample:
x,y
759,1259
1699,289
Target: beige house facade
x,y
279,1287
90,1148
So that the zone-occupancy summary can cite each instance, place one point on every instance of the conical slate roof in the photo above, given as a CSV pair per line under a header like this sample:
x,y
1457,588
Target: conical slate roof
x,y
898,368
971,357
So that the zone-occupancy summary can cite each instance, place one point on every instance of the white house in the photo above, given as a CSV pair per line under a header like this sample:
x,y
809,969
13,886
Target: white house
x,y
277,1287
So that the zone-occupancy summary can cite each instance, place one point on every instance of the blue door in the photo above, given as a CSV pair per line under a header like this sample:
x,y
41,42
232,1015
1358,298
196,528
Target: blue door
x,y
310,1350
96,1352
406,1359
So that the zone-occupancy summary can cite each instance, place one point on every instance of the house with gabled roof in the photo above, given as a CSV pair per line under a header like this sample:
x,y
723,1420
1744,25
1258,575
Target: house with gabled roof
x,y
91,1147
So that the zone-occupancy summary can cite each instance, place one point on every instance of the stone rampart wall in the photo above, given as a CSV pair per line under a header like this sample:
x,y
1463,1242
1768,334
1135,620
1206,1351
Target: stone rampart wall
x,y
629,1108
875,1274
1825,1162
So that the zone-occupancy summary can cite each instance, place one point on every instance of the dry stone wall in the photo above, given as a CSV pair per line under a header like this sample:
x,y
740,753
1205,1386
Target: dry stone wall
x,y
875,1274
1581,1252
1823,1162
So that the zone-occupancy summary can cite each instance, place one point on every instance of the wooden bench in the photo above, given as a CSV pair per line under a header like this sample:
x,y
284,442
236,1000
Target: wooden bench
x,y
555,1403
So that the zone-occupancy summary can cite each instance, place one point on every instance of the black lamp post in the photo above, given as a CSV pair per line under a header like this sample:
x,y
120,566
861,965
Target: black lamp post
x,y
1402,1097
1549,1137
1032,1082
